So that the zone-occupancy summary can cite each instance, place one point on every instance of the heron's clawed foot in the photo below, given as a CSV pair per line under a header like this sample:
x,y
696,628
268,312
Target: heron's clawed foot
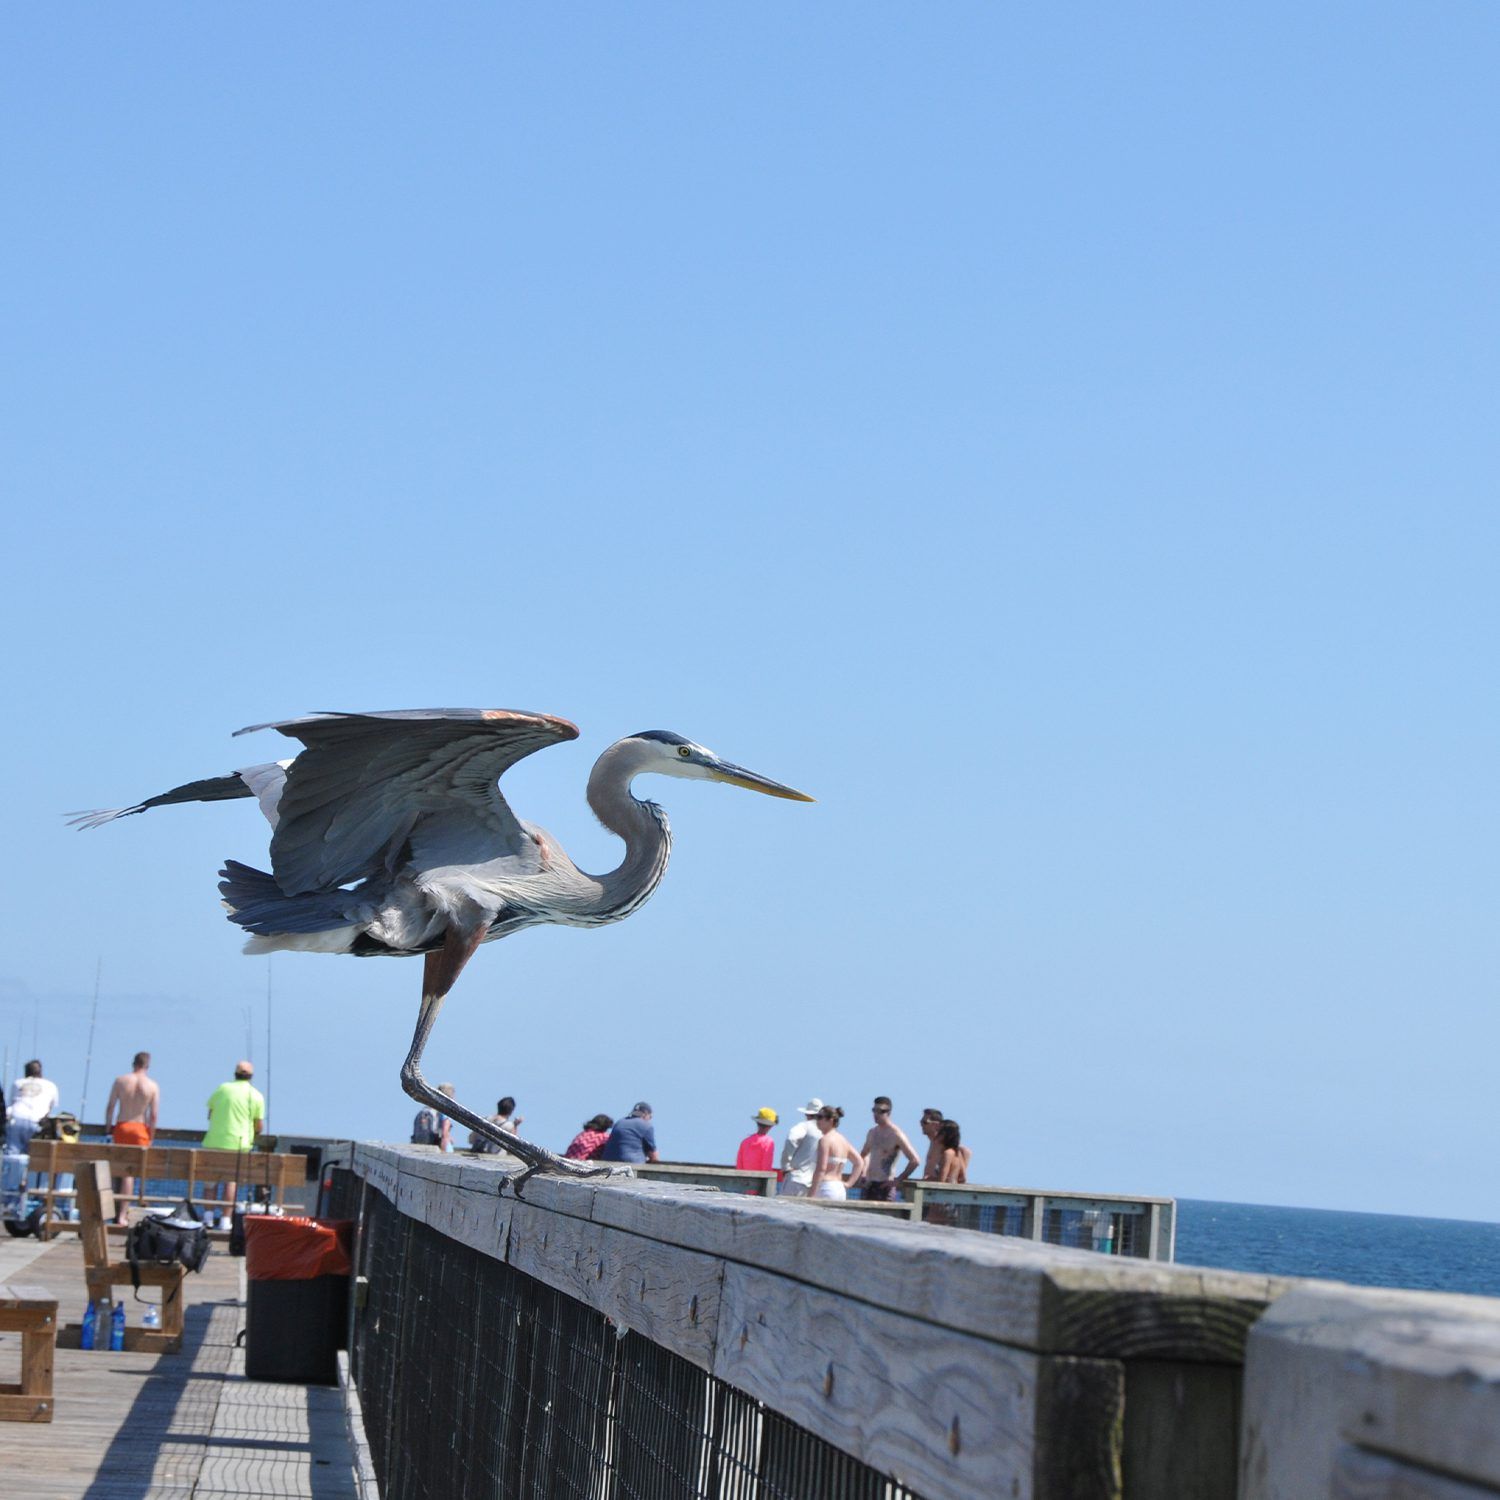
x,y
537,1158
540,1160
572,1168
565,1168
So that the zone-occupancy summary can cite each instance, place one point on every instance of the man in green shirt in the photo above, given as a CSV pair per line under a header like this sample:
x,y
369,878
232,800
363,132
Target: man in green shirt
x,y
236,1112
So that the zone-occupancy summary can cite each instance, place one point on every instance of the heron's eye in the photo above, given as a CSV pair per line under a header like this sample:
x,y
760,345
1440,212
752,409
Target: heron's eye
x,y
684,751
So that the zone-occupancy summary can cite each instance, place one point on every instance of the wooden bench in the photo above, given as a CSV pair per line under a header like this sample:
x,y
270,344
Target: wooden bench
x,y
273,1170
29,1311
96,1207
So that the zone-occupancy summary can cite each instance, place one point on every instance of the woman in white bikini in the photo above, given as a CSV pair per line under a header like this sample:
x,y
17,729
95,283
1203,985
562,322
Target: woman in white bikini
x,y
828,1180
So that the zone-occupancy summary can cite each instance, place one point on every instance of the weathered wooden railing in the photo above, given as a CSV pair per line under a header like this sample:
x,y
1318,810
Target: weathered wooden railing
x,y
956,1364
961,1364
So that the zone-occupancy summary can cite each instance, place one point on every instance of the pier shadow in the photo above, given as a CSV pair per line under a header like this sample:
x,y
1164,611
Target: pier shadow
x,y
198,1426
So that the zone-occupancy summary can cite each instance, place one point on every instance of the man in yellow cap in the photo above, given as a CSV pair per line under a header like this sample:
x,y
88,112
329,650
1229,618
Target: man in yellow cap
x,y
757,1152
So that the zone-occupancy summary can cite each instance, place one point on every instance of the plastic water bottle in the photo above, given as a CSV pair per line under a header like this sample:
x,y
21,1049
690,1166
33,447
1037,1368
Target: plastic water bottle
x,y
90,1327
151,1318
117,1327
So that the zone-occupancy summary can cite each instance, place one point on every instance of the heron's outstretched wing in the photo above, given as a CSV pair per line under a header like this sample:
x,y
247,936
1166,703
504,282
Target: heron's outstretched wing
x,y
210,789
353,797
263,782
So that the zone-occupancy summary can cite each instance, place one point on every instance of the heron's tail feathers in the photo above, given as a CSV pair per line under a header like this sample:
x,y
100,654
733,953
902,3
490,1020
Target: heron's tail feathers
x,y
255,901
336,940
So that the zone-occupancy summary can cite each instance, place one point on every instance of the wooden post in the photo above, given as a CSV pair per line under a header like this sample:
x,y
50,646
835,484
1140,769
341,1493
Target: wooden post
x,y
1169,1231
1359,1391
1038,1212
46,1230
359,1288
1153,1233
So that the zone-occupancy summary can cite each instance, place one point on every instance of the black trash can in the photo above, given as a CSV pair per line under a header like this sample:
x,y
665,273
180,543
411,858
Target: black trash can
x,y
297,1307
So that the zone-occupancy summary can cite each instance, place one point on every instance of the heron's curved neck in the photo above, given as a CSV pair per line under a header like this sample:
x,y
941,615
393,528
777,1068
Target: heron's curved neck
x,y
643,826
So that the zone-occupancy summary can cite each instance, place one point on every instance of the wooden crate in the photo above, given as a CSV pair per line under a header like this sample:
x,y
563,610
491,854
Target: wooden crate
x,y
30,1312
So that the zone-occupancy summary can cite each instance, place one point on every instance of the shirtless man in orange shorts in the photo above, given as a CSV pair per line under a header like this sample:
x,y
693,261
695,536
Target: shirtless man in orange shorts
x,y
134,1102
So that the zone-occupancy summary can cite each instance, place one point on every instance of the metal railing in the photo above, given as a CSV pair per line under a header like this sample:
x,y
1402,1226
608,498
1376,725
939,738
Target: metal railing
x,y
1107,1223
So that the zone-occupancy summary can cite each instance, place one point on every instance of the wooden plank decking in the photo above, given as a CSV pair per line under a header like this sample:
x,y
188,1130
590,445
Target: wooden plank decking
x,y
169,1426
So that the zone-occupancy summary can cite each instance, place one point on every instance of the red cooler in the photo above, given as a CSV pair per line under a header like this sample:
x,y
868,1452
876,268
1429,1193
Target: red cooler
x,y
298,1304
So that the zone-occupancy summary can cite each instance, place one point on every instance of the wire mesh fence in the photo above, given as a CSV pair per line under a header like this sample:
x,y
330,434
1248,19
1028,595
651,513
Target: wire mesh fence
x,y
1094,1229
481,1383
341,1195
1079,1229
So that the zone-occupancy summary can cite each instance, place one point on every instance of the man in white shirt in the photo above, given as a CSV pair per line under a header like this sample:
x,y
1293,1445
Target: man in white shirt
x,y
800,1153
32,1099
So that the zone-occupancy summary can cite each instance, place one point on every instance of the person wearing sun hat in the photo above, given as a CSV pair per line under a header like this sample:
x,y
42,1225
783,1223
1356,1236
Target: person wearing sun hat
x,y
800,1153
757,1152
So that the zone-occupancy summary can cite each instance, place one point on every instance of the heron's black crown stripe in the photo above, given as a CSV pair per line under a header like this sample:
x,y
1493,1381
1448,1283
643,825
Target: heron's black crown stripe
x,y
664,735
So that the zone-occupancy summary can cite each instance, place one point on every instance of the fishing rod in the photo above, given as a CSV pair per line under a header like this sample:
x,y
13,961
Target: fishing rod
x,y
268,1036
88,1061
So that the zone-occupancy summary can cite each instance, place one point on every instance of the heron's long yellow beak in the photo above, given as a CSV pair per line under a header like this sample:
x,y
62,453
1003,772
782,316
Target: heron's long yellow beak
x,y
734,775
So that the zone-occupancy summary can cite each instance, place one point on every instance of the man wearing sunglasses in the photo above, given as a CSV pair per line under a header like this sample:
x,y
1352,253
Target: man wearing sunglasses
x,y
883,1145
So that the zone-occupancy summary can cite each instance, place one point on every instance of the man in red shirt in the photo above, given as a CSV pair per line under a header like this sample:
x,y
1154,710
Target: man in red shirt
x,y
757,1152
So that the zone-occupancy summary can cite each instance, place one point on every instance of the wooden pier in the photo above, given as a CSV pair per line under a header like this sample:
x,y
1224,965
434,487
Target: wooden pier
x,y
171,1426
624,1336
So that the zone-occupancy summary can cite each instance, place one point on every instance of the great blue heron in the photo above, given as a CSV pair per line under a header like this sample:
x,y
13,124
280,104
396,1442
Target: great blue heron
x,y
391,838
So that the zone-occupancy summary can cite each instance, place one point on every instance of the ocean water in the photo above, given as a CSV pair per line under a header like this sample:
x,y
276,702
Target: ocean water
x,y
1440,1255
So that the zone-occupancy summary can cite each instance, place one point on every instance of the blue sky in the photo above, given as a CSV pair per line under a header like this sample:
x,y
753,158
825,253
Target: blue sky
x,y
1061,439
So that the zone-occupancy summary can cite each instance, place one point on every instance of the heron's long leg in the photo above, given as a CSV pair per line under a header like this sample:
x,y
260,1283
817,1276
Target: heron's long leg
x,y
442,969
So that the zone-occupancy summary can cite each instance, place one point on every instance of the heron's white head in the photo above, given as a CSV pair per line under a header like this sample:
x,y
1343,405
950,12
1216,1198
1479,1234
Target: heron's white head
x,y
669,754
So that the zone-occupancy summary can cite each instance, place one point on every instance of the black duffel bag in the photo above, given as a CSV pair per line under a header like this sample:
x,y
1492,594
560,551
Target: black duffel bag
x,y
164,1238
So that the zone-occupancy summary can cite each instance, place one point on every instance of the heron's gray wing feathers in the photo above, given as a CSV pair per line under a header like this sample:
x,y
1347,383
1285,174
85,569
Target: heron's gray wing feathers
x,y
365,781
307,726
210,789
